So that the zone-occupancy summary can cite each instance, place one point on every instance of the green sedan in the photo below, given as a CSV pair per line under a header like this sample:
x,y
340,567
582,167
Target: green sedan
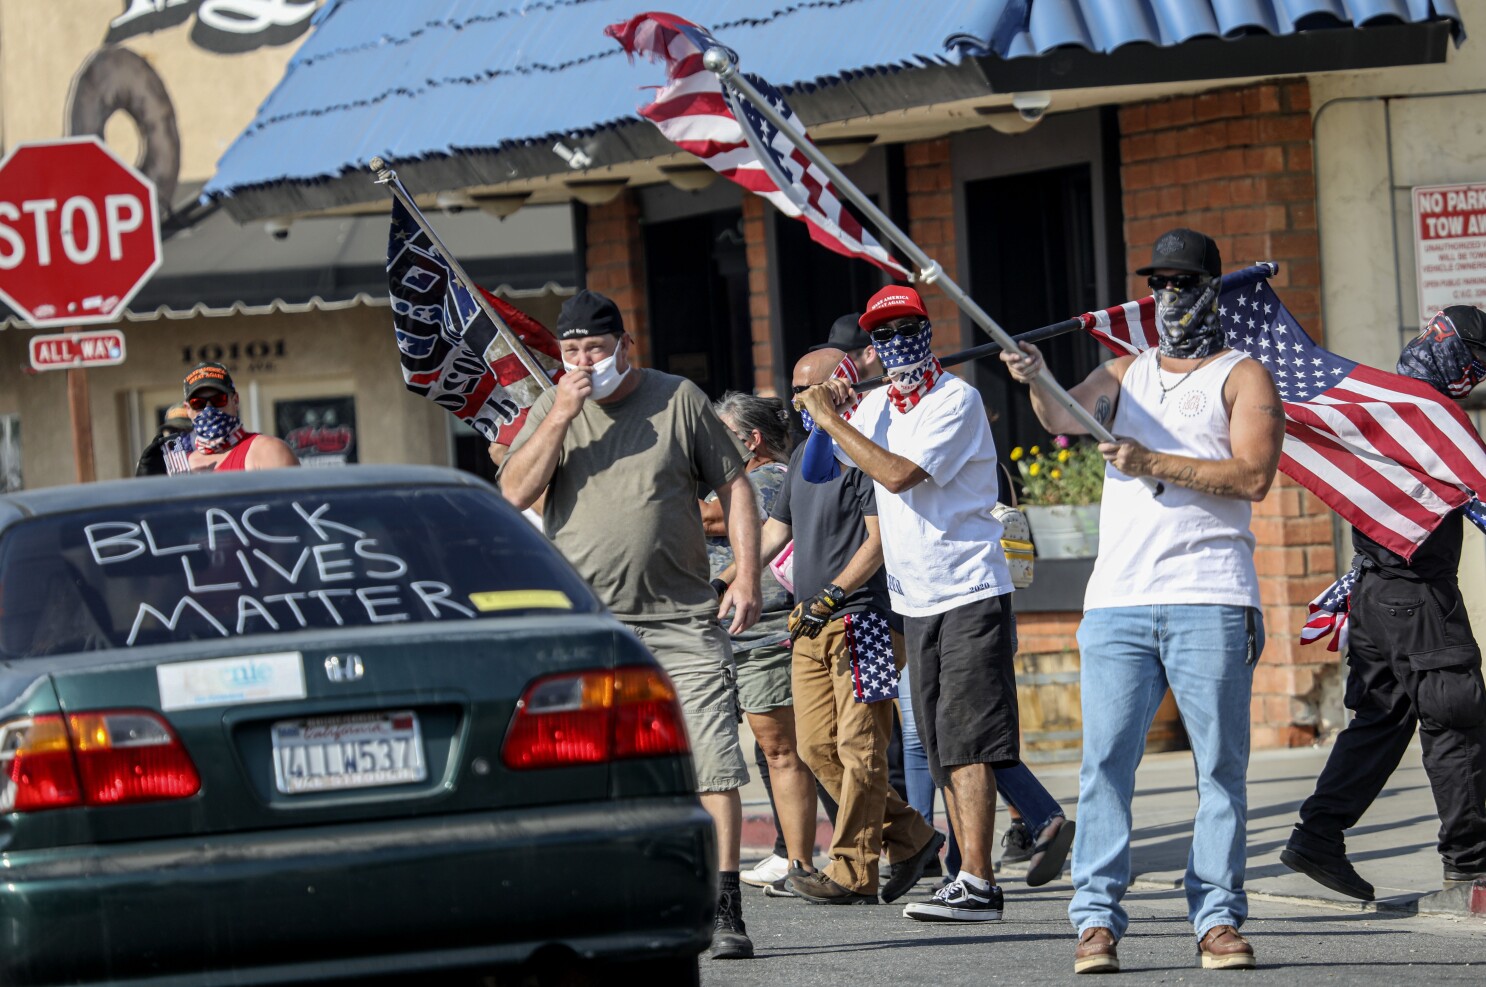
x,y
319,724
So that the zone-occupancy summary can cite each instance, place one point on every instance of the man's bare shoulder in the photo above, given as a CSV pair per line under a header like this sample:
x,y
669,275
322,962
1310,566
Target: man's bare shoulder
x,y
268,452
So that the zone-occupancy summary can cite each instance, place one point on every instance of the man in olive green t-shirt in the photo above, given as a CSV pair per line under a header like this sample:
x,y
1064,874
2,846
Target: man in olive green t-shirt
x,y
619,452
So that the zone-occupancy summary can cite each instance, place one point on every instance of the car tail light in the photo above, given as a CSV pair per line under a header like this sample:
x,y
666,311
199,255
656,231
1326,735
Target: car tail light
x,y
593,717
97,758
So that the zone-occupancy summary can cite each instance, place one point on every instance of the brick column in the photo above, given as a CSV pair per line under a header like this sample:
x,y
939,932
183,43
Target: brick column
x,y
1236,165
931,225
616,263
756,216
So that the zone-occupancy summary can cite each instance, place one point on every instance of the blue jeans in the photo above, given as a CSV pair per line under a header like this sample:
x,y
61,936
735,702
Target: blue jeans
x,y
1017,785
1129,655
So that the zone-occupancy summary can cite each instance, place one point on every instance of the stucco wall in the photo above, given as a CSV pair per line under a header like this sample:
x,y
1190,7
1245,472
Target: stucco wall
x,y
1377,135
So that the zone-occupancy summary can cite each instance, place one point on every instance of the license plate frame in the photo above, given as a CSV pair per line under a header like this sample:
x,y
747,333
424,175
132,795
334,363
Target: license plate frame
x,y
375,749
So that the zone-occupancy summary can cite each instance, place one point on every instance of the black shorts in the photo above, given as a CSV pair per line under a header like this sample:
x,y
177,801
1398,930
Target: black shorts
x,y
964,685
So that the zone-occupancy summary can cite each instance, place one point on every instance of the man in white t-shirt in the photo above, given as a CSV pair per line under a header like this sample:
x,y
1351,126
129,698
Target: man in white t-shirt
x,y
926,443
1174,598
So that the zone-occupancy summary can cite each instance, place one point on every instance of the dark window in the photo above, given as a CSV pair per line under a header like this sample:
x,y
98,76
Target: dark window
x,y
816,287
1031,244
697,271
272,563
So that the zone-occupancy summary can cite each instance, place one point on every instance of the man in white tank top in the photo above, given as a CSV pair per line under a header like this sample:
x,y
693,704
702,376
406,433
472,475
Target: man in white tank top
x,y
1174,599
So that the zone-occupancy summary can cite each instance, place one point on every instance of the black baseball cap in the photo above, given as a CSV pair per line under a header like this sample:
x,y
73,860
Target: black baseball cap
x,y
845,335
208,376
1185,250
1469,323
589,313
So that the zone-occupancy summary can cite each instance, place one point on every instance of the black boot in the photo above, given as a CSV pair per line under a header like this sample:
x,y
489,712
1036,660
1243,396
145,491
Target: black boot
x,y
1328,867
729,935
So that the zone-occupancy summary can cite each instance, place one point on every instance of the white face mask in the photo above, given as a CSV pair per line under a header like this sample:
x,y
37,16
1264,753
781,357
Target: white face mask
x,y
605,379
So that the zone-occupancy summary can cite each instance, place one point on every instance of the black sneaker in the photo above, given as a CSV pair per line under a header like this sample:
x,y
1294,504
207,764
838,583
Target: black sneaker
x,y
958,902
1018,843
906,874
779,889
1334,872
729,935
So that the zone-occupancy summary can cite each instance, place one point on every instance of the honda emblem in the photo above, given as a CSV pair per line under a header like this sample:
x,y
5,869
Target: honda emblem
x,y
344,668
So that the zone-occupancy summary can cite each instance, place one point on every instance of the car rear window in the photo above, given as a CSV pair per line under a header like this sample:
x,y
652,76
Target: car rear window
x,y
122,577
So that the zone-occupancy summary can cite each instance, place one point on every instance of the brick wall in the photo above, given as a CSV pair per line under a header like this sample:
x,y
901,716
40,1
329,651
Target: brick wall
x,y
615,262
756,214
931,224
1236,164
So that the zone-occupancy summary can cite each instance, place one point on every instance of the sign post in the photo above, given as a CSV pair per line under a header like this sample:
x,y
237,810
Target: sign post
x,y
79,236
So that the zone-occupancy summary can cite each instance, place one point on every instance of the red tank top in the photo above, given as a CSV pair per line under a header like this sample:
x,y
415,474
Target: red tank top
x,y
237,458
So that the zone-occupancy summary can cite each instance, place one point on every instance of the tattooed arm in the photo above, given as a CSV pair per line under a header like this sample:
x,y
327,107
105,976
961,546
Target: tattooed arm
x,y
1256,429
1098,393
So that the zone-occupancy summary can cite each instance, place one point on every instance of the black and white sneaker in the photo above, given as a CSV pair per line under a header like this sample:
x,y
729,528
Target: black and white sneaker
x,y
958,902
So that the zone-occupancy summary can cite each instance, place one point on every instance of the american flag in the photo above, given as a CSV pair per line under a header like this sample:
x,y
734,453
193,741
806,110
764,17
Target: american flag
x,y
1388,453
726,131
451,353
1329,612
869,642
818,462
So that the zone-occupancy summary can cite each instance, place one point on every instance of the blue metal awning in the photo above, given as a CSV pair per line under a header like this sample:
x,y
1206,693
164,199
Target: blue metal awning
x,y
476,91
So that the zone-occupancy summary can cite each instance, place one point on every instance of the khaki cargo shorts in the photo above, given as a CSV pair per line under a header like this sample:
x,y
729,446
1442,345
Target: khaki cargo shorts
x,y
698,656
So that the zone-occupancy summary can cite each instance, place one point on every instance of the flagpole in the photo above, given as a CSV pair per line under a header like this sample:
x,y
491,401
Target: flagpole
x,y
720,62
386,176
992,348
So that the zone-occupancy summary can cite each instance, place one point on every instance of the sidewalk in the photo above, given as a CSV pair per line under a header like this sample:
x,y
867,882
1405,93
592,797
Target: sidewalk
x,y
1393,847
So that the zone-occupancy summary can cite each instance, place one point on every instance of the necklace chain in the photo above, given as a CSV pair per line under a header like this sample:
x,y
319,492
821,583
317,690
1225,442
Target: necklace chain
x,y
1167,390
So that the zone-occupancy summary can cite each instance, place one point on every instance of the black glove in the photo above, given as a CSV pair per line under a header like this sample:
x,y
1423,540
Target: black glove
x,y
720,588
810,617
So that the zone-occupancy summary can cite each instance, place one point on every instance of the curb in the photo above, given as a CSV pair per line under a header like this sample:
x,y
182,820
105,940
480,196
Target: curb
x,y
1464,900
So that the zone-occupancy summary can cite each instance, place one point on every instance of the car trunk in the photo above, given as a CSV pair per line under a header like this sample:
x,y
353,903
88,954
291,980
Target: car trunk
x,y
377,696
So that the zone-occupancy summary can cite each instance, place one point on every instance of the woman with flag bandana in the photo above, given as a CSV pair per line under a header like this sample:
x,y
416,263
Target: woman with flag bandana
x,y
926,443
1412,661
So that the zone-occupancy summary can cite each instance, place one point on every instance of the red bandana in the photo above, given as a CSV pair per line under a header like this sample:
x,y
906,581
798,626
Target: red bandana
x,y
905,403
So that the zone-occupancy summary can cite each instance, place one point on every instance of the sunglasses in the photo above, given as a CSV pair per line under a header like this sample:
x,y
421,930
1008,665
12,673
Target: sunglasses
x,y
888,331
216,399
1181,282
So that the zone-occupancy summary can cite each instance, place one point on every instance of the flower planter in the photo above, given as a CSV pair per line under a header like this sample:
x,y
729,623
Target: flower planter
x,y
1057,532
1088,522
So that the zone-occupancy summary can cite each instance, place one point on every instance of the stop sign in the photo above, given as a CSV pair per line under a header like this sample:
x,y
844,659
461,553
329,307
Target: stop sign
x,y
78,232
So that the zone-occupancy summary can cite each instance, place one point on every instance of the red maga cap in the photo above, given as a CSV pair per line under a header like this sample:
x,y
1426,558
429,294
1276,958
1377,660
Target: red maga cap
x,y
892,302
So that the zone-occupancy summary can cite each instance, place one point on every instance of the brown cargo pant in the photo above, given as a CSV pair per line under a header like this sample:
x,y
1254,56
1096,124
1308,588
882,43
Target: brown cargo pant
x,y
844,742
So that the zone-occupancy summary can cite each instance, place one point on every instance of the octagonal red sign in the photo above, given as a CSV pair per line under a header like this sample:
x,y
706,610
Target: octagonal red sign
x,y
79,233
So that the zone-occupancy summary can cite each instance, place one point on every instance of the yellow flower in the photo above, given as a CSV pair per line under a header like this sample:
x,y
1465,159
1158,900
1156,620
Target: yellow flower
x,y
1056,474
1063,455
1016,454
1034,469
1035,451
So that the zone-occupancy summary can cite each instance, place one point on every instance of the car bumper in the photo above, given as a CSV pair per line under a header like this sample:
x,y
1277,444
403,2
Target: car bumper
x,y
627,879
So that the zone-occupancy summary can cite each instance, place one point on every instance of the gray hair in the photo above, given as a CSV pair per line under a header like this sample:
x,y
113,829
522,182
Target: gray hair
x,y
749,412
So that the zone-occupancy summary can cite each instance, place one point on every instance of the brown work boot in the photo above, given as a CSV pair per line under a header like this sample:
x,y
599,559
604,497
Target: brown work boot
x,y
1224,949
1095,952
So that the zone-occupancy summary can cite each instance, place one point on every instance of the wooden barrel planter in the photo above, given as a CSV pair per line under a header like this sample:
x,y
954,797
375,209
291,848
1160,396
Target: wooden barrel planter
x,y
1052,723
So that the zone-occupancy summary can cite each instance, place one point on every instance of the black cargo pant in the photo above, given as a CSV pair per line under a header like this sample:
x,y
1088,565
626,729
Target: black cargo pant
x,y
1412,661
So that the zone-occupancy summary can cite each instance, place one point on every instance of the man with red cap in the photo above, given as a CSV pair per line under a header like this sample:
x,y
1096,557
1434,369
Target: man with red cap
x,y
926,443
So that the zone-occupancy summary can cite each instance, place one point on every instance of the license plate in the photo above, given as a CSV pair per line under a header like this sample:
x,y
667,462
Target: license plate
x,y
363,750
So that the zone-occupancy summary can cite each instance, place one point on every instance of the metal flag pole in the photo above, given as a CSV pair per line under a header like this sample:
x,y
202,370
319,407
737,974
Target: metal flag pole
x,y
386,176
720,62
991,348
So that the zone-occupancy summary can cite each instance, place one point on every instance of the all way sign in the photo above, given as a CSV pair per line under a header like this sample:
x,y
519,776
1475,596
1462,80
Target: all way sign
x,y
70,350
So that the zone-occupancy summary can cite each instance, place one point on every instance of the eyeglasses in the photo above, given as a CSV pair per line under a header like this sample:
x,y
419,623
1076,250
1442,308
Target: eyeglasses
x,y
886,332
217,399
1181,282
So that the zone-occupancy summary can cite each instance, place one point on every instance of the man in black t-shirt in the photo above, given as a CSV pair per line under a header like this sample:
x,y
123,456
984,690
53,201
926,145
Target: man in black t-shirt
x,y
847,655
1412,660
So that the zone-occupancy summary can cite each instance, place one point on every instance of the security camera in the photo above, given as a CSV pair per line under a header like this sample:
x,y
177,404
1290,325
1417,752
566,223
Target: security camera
x,y
278,228
1032,105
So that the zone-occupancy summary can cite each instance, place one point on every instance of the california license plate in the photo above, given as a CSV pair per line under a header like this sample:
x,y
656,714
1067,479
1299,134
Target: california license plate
x,y
362,750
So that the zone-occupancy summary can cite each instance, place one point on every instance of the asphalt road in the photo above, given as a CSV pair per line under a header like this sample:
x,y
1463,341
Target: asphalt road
x,y
832,945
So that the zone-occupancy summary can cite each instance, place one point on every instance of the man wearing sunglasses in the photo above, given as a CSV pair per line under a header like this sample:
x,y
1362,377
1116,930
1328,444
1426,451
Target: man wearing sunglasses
x,y
926,443
1174,598
217,440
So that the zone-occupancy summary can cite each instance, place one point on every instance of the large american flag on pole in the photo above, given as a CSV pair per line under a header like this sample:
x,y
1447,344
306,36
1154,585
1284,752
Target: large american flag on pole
x,y
451,353
1388,453
695,113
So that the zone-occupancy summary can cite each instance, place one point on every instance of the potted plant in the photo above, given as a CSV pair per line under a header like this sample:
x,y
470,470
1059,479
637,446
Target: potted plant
x,y
1060,495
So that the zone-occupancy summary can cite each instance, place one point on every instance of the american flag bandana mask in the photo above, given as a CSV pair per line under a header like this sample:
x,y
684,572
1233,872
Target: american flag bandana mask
x,y
727,132
818,462
1440,358
910,362
214,430
869,643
